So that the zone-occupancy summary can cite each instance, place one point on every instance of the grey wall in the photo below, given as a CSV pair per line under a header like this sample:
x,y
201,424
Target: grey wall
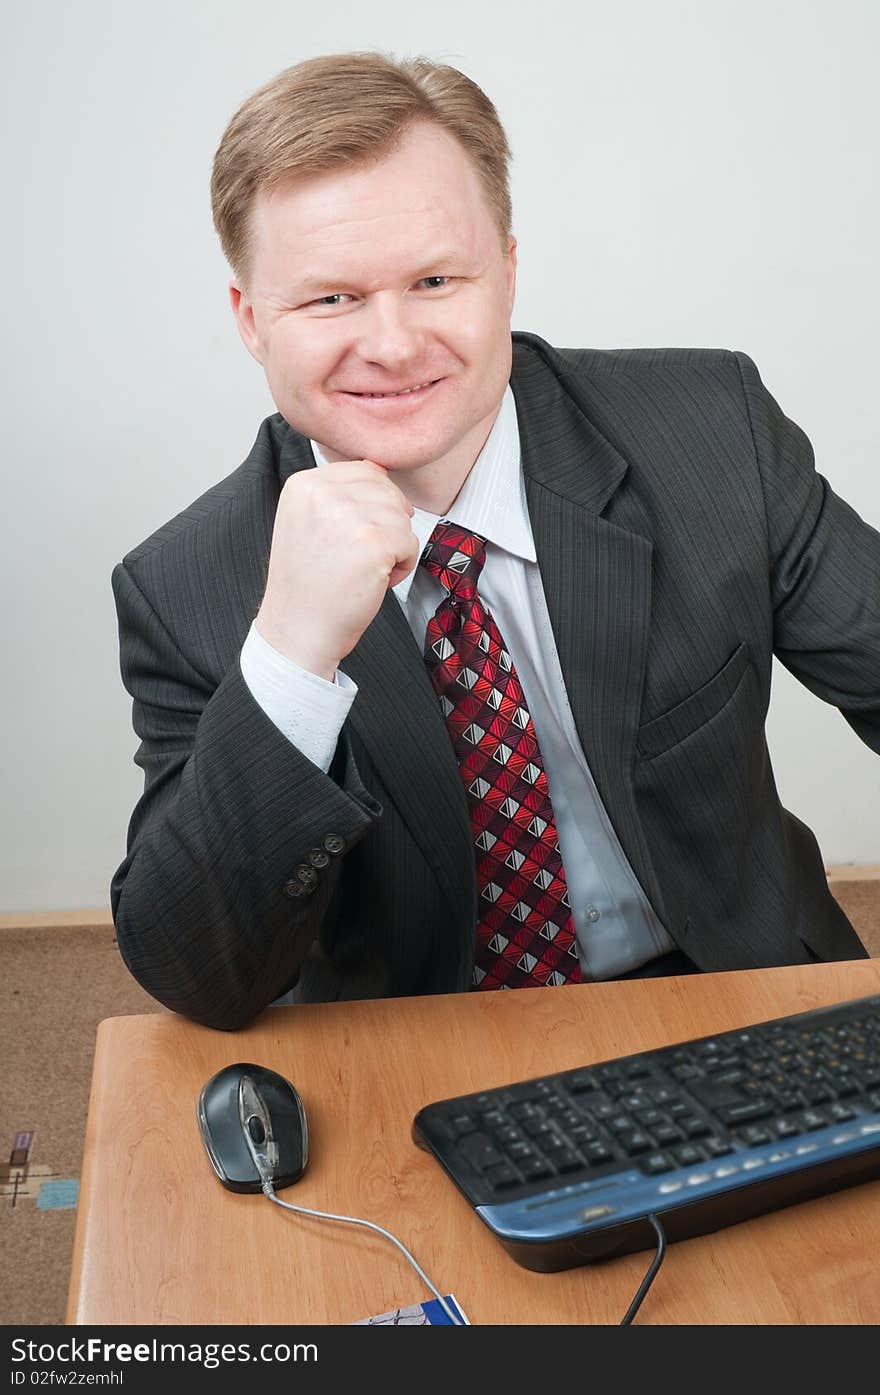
x,y
685,173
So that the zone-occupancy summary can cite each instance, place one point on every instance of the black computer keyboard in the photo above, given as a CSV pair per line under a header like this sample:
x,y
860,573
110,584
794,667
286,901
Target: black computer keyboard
x,y
566,1169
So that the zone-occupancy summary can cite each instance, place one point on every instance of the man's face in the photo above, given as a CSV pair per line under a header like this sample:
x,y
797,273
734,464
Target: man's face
x,y
371,281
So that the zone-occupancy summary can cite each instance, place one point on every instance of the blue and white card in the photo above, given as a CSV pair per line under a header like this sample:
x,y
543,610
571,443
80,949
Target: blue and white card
x,y
427,1314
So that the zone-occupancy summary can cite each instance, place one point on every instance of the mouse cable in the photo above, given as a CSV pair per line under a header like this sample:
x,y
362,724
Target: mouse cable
x,y
269,1191
649,1277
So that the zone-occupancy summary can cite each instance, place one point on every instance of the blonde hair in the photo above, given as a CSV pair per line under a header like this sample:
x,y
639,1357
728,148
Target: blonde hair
x,y
347,109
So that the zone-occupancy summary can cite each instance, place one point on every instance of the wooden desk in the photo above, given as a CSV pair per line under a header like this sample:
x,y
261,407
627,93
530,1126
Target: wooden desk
x,y
159,1240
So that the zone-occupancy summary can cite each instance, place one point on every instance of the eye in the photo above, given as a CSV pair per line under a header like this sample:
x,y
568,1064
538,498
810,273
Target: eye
x,y
435,283
336,298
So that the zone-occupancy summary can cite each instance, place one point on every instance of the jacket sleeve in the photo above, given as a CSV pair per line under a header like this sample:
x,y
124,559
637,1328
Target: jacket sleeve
x,y
235,847
825,569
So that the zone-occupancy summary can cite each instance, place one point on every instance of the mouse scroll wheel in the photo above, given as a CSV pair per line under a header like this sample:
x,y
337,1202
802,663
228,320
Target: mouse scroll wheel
x,y
256,1130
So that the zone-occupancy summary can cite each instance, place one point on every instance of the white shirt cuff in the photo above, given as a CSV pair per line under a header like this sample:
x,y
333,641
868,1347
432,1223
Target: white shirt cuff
x,y
306,709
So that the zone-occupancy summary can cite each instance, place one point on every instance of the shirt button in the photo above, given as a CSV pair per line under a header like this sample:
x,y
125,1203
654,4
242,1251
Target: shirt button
x,y
318,857
335,844
593,914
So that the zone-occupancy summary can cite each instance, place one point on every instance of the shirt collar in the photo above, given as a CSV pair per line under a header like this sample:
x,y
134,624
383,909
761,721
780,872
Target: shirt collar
x,y
492,500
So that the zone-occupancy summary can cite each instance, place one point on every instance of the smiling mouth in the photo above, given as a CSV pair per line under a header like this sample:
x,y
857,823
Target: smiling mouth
x,y
401,392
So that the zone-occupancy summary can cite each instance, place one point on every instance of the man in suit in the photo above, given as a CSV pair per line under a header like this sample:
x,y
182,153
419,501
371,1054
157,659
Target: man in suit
x,y
460,679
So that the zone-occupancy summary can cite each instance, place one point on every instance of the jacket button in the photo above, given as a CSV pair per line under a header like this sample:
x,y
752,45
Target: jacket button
x,y
334,844
318,857
307,875
295,889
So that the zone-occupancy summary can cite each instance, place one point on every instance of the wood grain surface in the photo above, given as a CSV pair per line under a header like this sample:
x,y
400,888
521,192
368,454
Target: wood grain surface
x,y
159,1240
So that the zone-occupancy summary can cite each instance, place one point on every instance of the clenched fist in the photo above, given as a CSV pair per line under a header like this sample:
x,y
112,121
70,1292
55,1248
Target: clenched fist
x,y
342,536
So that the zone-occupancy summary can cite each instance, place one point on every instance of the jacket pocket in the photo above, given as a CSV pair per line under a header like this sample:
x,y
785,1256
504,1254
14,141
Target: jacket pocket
x,y
686,717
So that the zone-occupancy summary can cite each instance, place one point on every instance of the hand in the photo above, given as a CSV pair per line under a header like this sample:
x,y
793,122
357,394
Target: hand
x,y
342,536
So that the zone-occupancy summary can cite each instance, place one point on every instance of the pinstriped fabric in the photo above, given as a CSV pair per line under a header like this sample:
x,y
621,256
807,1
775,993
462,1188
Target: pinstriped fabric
x,y
681,534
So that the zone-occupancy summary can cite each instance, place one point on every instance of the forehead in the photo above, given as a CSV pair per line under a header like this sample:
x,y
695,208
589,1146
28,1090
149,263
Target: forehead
x,y
425,194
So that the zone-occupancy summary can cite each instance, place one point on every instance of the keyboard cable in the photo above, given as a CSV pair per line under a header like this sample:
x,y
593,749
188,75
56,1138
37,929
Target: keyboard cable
x,y
647,1281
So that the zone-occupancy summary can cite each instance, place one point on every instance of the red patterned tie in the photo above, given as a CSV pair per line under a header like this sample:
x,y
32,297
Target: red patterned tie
x,y
525,936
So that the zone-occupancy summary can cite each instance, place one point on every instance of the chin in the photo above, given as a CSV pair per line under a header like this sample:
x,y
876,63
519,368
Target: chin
x,y
395,450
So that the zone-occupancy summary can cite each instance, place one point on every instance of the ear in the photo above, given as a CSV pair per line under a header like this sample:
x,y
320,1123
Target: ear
x,y
243,310
511,272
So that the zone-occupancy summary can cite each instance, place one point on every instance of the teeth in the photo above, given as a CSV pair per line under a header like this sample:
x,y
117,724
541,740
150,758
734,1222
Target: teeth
x,y
402,393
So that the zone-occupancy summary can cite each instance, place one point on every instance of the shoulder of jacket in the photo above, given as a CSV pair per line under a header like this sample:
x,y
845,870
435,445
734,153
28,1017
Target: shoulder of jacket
x,y
586,363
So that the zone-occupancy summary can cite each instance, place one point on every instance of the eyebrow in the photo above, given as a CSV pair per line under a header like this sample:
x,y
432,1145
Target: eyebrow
x,y
321,283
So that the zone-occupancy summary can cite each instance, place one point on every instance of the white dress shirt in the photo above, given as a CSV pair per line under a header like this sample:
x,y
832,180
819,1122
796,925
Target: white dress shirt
x,y
615,925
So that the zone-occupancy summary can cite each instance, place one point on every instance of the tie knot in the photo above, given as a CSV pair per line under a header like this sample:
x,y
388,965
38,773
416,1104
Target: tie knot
x,y
455,557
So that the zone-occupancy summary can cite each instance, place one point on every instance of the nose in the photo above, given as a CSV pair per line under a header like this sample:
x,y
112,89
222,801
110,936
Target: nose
x,y
390,334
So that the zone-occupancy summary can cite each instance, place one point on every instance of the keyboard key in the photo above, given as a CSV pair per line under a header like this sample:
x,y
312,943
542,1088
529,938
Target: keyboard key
x,y
601,1108
688,1154
734,1075
693,1126
812,1119
620,1123
655,1163
463,1123
493,1119
744,1113
717,1147
537,1128
649,1117
518,1151
503,1176
847,1086
568,1160
610,1072
667,1133
717,1092
581,1082
817,1093
634,1101
583,1133
552,1143
569,1118
527,1093
480,1151
637,1069
508,1135
784,1128
536,1169
686,1071
788,1099
615,1088
598,1153
755,1134
840,1113
633,1141
526,1109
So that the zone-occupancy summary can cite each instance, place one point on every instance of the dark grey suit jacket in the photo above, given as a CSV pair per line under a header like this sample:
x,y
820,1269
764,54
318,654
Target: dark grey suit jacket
x,y
683,538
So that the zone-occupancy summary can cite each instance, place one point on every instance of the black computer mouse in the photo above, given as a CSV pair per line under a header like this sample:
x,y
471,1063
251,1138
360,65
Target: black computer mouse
x,y
221,1128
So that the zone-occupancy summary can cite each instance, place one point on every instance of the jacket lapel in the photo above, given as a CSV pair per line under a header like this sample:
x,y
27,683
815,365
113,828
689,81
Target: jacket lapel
x,y
597,581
